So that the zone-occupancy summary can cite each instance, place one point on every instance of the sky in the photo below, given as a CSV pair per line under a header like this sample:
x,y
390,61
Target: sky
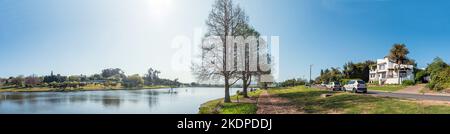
x,y
74,37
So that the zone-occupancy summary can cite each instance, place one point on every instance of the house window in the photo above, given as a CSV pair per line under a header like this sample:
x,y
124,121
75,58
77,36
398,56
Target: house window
x,y
383,75
382,67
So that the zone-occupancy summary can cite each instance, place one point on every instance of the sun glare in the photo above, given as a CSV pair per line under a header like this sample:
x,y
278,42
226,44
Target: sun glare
x,y
160,8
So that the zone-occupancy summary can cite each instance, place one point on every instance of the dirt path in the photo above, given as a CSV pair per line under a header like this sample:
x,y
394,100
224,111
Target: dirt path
x,y
416,90
269,104
412,89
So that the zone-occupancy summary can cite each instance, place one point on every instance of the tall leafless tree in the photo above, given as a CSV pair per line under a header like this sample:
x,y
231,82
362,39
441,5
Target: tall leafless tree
x,y
225,20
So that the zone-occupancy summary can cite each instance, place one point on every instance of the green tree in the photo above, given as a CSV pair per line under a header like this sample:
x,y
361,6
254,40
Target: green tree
x,y
114,73
133,81
152,77
18,81
357,70
420,75
2,82
398,54
439,72
436,66
293,82
95,77
74,78
330,75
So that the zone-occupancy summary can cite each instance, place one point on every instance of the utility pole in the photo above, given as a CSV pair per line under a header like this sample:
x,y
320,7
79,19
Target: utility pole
x,y
310,72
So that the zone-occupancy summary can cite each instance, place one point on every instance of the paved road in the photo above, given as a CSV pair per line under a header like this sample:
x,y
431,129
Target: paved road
x,y
410,96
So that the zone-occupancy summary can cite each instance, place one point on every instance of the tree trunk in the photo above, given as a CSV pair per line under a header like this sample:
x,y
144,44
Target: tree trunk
x,y
245,80
245,86
265,86
227,98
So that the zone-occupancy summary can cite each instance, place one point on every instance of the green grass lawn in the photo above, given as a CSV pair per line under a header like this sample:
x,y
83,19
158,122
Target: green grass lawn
x,y
387,88
309,101
218,107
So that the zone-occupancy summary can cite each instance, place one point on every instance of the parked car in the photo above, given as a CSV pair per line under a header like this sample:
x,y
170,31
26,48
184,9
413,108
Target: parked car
x,y
335,86
356,86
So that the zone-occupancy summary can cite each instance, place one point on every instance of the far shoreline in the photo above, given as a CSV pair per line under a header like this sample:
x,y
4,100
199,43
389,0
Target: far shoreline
x,y
35,90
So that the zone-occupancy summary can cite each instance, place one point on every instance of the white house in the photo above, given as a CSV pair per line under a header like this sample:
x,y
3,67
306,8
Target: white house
x,y
385,72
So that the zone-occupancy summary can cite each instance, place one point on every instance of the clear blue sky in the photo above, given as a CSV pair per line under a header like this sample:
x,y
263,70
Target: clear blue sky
x,y
85,36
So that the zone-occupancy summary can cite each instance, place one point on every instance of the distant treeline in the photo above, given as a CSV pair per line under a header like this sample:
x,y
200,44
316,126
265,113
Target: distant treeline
x,y
194,84
112,77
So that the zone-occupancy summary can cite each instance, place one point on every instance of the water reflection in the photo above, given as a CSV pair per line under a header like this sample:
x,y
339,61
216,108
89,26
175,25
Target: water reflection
x,y
78,99
183,100
111,101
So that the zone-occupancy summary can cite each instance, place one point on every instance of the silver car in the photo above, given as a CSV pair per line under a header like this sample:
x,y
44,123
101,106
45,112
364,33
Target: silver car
x,y
356,86
335,86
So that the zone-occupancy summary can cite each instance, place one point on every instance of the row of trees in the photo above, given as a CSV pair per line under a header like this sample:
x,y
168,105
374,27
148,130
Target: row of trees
x,y
111,77
293,82
22,81
350,71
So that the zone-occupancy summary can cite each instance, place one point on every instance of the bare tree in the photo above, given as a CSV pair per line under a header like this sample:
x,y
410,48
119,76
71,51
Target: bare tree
x,y
225,20
32,81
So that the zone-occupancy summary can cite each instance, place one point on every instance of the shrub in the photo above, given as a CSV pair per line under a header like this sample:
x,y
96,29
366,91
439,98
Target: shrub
x,y
439,80
408,82
133,81
435,86
293,82
420,76
345,81
374,83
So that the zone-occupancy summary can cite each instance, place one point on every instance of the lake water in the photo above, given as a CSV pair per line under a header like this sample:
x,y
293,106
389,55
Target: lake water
x,y
146,101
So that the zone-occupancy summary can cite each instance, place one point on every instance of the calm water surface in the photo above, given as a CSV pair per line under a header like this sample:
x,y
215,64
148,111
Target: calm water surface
x,y
146,101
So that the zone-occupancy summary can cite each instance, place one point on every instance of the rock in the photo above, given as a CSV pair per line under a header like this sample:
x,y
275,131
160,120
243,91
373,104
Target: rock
x,y
325,95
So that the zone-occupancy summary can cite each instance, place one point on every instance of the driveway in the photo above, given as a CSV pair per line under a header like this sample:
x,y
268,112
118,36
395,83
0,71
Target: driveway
x,y
412,89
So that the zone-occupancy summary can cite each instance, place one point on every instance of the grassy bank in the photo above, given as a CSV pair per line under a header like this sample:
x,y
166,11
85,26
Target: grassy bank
x,y
387,88
309,101
244,106
91,87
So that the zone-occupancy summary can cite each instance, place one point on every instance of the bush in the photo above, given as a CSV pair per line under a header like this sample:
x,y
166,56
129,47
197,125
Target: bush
x,y
420,76
345,81
374,83
133,81
435,86
293,82
439,80
408,82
